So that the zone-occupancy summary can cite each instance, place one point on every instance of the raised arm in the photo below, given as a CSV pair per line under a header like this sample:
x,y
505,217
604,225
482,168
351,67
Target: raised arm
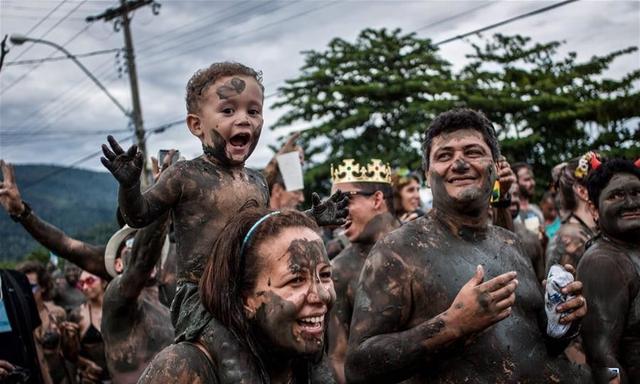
x,y
607,291
147,247
86,256
381,347
138,209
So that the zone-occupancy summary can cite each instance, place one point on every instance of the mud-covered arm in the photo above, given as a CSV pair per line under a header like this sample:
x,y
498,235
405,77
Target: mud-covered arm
x,y
381,348
607,293
87,256
141,209
339,321
145,254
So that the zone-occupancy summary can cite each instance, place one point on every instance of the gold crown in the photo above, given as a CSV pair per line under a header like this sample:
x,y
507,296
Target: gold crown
x,y
351,172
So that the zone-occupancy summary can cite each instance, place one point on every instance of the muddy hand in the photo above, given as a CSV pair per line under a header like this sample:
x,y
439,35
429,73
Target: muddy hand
x,y
126,167
479,305
576,308
333,211
9,192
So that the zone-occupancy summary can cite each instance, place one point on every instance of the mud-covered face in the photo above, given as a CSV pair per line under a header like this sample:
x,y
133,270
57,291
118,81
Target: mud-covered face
x,y
293,293
526,182
619,208
410,196
362,209
72,273
90,285
230,120
461,171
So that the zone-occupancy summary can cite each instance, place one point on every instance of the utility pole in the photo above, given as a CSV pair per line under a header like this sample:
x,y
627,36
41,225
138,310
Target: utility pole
x,y
121,16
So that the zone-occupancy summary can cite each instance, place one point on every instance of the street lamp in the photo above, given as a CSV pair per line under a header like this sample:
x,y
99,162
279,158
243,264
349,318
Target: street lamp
x,y
21,39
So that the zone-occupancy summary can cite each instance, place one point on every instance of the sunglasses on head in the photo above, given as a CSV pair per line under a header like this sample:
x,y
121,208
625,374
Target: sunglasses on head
x,y
89,281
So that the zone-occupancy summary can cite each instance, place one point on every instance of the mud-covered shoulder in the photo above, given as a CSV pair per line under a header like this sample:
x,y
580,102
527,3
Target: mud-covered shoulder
x,y
600,257
180,363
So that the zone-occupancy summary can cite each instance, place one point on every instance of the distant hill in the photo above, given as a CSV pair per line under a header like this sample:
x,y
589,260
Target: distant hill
x,y
82,203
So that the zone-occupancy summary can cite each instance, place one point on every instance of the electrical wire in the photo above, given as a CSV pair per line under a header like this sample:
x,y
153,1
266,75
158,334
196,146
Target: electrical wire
x,y
59,58
175,55
160,129
50,29
5,89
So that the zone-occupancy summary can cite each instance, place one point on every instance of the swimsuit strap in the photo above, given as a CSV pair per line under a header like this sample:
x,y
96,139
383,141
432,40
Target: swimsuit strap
x,y
579,221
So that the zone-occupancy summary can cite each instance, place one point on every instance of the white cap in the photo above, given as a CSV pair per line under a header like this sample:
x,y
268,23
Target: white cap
x,y
114,243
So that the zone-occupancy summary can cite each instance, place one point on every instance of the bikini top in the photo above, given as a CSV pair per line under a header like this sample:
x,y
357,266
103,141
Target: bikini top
x,y
92,336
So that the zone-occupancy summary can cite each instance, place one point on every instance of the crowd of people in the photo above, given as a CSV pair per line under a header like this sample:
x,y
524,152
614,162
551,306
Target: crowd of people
x,y
216,277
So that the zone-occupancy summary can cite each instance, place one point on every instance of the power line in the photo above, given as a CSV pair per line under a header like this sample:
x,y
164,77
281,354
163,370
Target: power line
x,y
16,81
179,40
60,58
450,18
66,105
507,21
175,55
160,129
50,29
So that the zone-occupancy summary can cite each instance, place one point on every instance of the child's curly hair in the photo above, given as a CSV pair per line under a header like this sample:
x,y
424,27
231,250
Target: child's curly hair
x,y
203,78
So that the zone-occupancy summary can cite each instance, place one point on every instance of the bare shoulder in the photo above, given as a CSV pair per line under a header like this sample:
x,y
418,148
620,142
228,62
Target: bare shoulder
x,y
179,363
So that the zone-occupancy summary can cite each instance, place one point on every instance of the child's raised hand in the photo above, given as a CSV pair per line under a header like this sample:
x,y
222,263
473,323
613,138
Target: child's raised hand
x,y
126,167
332,211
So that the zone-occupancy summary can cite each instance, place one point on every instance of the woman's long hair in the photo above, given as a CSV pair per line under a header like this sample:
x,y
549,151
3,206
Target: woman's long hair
x,y
231,273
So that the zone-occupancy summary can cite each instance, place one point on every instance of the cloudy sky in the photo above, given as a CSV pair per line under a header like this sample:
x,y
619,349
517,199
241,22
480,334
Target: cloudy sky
x,y
52,113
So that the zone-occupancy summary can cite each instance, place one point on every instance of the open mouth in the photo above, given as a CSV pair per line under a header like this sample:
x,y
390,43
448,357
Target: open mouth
x,y
347,224
240,140
312,324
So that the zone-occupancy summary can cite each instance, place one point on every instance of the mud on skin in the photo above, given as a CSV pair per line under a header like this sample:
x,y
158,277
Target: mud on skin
x,y
277,315
408,283
346,268
610,272
135,324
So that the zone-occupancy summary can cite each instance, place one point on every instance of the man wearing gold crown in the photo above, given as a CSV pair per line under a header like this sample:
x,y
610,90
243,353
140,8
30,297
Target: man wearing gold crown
x,y
370,218
436,301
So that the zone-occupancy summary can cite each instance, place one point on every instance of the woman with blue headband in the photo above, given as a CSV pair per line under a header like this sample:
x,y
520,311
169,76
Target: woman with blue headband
x,y
268,284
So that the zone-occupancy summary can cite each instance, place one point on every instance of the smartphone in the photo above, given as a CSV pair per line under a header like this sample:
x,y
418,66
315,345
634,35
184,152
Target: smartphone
x,y
164,152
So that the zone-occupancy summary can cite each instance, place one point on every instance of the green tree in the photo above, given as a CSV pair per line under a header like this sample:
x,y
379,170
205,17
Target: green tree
x,y
548,109
374,97
367,98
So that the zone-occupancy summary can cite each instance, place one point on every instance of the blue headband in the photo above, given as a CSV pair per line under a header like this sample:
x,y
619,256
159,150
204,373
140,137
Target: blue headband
x,y
253,228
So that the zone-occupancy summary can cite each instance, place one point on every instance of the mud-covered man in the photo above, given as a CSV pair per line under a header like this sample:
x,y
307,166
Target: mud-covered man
x,y
437,299
610,272
370,218
135,324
